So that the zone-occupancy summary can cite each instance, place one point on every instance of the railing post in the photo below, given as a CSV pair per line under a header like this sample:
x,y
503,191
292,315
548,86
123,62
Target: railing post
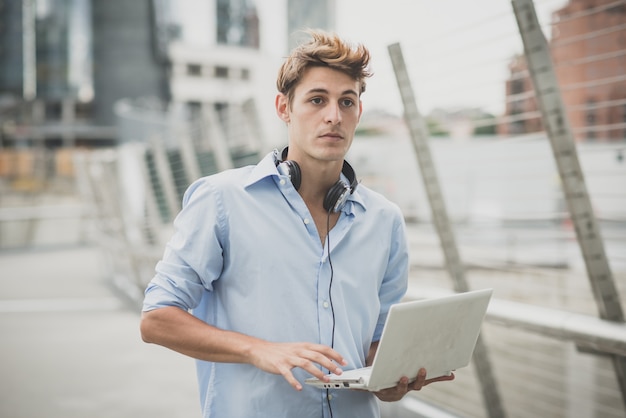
x,y
541,68
419,137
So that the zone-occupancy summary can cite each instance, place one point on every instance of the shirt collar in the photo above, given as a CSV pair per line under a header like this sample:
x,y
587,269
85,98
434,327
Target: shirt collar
x,y
267,168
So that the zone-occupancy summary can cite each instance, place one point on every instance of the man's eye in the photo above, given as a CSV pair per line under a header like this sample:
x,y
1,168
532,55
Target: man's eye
x,y
347,103
316,100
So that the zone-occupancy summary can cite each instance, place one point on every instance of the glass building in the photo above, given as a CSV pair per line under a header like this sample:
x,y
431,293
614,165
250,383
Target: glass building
x,y
45,49
305,14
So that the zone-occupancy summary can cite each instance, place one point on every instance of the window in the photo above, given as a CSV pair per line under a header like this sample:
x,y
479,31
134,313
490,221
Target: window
x,y
194,69
221,72
237,23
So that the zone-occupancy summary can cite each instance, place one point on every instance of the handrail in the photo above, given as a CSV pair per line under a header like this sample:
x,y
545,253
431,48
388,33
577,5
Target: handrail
x,y
587,332
41,212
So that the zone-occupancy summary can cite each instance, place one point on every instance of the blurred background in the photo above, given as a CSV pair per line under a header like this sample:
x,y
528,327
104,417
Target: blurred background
x,y
109,109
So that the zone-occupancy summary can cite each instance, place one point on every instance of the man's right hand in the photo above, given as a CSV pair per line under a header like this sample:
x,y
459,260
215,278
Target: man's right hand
x,y
281,358
178,330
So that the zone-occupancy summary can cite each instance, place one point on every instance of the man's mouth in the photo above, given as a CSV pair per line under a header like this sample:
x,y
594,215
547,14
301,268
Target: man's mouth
x,y
332,135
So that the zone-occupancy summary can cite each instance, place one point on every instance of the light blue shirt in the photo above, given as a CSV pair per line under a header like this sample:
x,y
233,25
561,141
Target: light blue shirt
x,y
246,256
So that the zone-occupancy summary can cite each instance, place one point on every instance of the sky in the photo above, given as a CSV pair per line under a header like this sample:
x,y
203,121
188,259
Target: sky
x,y
456,51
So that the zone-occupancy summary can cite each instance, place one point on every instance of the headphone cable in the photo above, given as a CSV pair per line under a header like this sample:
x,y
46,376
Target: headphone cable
x,y
330,284
330,298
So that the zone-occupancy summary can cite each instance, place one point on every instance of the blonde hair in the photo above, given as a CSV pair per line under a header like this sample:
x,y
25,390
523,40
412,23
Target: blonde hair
x,y
323,50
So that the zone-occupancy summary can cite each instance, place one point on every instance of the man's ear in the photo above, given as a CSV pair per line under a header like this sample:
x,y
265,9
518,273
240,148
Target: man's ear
x,y
282,107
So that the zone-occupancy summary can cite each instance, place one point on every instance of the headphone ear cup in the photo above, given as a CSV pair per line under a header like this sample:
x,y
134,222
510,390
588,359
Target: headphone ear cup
x,y
293,171
336,197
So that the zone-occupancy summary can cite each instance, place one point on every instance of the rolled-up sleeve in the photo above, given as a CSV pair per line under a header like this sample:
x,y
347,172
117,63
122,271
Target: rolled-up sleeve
x,y
192,260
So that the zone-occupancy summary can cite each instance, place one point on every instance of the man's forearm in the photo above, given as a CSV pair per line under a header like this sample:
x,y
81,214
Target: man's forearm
x,y
369,360
180,331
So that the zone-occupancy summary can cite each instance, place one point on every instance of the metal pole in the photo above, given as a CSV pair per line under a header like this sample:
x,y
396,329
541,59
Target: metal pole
x,y
214,133
537,52
29,48
164,175
419,137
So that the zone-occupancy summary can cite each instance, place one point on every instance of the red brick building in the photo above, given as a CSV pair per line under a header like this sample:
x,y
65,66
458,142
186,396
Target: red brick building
x,y
588,45
521,111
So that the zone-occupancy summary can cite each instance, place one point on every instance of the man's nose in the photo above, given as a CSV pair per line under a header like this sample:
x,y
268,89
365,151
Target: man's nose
x,y
333,114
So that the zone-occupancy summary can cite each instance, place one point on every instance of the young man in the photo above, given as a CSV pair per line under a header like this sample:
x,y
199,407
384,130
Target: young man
x,y
288,267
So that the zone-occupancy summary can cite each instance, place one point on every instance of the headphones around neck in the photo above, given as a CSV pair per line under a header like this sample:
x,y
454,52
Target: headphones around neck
x,y
336,196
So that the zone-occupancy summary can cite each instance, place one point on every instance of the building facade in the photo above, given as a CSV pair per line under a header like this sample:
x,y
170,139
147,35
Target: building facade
x,y
66,63
306,14
521,111
587,44
46,79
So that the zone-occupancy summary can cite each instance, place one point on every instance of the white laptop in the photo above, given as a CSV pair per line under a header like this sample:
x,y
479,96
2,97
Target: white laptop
x,y
438,334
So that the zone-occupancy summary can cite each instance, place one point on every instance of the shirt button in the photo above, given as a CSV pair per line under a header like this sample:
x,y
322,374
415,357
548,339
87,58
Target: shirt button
x,y
282,182
325,304
330,397
306,221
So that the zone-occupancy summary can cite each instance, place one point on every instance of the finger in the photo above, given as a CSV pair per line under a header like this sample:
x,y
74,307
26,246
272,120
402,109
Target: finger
x,y
327,364
311,363
329,355
403,385
289,377
440,379
395,393
326,357
314,370
420,380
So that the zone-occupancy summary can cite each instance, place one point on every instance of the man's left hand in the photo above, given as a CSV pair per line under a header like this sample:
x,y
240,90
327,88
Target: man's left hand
x,y
403,387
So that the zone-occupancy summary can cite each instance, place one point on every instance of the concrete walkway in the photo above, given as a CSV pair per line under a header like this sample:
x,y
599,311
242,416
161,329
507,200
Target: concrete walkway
x,y
70,347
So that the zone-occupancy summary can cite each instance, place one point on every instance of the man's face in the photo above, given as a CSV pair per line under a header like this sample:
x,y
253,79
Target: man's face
x,y
323,114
